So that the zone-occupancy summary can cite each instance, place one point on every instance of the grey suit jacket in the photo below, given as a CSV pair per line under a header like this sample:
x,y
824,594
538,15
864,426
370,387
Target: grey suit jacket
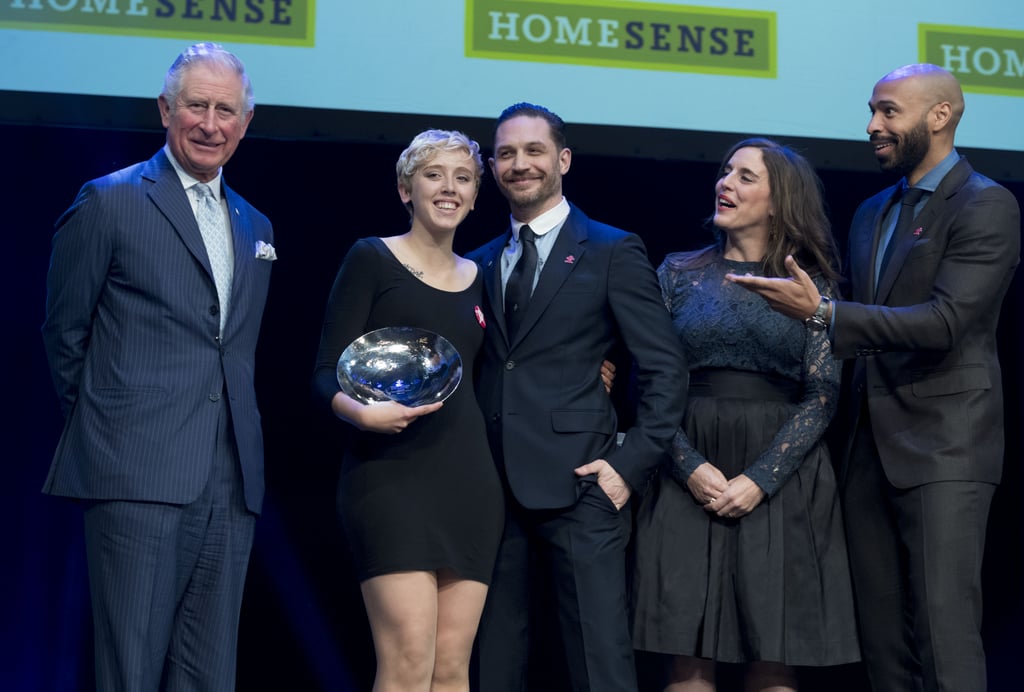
x,y
546,409
131,334
926,339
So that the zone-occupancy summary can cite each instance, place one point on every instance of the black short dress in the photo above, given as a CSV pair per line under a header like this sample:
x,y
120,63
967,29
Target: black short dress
x,y
427,498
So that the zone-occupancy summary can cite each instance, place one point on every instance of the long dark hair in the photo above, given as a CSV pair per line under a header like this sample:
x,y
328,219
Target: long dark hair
x,y
799,226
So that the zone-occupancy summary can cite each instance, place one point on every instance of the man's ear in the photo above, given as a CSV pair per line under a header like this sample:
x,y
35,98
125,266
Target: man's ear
x,y
940,115
565,160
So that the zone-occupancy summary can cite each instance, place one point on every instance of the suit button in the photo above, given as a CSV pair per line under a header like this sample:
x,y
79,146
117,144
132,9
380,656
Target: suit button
x,y
215,397
496,417
214,310
509,364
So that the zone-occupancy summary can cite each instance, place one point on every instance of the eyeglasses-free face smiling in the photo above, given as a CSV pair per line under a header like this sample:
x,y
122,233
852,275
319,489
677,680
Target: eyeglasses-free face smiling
x,y
898,128
528,166
442,191
206,123
743,194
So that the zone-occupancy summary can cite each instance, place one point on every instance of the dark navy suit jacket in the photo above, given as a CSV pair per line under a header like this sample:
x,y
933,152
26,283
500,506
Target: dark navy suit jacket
x,y
546,409
131,334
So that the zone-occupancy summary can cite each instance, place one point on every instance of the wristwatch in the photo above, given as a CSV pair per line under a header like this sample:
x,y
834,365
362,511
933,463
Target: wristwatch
x,y
817,321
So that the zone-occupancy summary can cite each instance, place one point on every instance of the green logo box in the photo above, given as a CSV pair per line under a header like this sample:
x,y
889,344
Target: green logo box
x,y
277,22
986,61
631,35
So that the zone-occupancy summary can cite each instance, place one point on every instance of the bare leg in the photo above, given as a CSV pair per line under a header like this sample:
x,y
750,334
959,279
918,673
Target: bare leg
x,y
765,676
402,609
459,604
690,674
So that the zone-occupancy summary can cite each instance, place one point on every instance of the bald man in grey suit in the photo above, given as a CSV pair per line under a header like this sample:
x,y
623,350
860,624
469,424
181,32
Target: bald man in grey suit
x,y
150,331
925,446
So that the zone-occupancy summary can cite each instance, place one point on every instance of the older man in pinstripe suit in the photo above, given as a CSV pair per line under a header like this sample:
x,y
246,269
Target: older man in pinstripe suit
x,y
151,323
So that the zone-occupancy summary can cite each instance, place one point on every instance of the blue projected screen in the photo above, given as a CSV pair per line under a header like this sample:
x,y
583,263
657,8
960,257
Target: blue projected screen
x,y
783,68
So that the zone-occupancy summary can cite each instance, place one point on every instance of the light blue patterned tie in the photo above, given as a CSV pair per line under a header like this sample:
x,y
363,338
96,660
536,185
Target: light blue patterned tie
x,y
217,236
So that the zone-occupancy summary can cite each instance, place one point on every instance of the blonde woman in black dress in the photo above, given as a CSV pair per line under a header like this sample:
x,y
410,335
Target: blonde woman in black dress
x,y
419,497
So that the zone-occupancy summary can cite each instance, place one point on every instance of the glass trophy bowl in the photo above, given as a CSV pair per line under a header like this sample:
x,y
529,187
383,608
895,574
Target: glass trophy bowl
x,y
408,365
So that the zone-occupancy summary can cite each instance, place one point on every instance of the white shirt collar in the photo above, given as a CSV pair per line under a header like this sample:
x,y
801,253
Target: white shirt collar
x,y
549,220
187,181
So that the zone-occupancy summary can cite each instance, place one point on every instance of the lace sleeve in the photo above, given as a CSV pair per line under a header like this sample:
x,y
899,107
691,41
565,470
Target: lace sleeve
x,y
821,375
666,279
683,458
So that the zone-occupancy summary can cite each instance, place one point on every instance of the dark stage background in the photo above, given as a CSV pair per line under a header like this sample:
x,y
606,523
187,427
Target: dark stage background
x,y
303,626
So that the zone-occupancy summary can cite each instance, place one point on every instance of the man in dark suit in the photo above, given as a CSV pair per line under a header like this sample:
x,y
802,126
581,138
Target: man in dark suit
x,y
581,287
155,295
925,449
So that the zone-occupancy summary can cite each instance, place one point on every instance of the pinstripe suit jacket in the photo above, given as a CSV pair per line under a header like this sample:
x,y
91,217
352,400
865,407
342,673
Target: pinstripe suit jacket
x,y
131,335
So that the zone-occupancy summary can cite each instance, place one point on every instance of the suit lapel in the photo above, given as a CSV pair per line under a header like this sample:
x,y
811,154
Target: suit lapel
x,y
929,214
244,247
879,288
171,199
490,265
561,261
863,247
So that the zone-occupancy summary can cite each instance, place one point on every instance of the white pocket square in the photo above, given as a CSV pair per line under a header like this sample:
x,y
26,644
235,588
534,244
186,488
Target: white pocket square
x,y
265,251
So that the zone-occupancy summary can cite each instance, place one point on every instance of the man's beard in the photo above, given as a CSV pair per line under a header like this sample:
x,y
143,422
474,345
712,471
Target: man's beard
x,y
909,151
548,188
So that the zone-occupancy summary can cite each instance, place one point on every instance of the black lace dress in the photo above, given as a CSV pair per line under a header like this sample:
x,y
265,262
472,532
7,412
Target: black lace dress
x,y
773,585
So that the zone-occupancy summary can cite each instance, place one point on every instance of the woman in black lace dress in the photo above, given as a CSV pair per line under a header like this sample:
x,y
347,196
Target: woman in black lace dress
x,y
740,554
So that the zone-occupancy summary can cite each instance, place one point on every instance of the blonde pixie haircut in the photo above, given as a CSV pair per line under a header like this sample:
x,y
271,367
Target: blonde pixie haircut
x,y
426,145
